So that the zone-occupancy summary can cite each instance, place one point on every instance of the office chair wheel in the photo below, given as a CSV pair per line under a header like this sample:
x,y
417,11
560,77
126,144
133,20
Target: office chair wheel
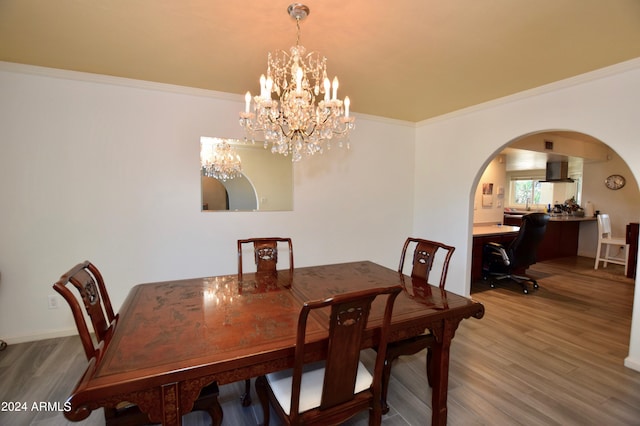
x,y
535,284
525,290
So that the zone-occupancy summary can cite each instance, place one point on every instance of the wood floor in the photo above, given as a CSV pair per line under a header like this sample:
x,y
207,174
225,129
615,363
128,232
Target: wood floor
x,y
553,357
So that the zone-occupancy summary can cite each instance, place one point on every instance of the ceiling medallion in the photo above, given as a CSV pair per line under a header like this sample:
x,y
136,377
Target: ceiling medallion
x,y
298,110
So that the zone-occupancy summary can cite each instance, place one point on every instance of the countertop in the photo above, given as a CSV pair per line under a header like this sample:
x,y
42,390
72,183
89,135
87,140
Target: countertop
x,y
558,218
484,230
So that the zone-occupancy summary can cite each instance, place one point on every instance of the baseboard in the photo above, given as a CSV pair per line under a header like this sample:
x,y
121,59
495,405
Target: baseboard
x,y
14,340
632,363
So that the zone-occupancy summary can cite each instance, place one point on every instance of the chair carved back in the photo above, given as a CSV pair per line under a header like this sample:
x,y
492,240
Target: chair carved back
x,y
89,285
348,318
423,258
265,253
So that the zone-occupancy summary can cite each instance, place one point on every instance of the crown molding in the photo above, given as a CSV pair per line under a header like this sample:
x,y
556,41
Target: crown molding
x,y
117,81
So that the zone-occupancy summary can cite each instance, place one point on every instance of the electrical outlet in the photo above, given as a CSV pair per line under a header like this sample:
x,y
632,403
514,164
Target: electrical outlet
x,y
52,301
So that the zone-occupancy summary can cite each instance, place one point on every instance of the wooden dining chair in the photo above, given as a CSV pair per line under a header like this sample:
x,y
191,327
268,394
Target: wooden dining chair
x,y
265,255
425,256
89,284
338,387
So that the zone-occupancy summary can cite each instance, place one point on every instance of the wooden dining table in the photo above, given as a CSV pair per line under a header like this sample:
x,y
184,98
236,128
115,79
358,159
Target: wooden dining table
x,y
173,338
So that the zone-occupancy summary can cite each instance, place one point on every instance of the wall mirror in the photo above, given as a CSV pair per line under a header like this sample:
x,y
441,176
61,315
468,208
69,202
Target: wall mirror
x,y
265,182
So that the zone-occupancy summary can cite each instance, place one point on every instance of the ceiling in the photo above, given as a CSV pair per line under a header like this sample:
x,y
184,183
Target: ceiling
x,y
406,59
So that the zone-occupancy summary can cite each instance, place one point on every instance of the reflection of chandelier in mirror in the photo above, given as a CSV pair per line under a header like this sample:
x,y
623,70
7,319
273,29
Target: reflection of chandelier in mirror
x,y
219,159
298,126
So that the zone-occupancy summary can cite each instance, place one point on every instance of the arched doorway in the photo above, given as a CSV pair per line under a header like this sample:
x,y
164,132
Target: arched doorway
x,y
234,194
590,162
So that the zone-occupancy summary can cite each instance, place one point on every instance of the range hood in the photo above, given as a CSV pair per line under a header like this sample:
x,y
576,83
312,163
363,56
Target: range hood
x,y
557,172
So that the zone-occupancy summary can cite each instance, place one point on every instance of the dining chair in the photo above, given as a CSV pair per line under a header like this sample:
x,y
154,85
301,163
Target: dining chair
x,y
426,255
89,284
606,238
339,386
265,255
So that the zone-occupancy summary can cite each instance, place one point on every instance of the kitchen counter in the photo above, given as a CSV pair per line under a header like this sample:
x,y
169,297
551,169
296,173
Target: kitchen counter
x,y
554,218
487,230
569,218
561,237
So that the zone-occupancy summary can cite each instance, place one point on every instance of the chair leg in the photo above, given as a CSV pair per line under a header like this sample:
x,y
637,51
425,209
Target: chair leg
x,y
626,258
597,256
246,398
606,255
263,396
384,385
429,366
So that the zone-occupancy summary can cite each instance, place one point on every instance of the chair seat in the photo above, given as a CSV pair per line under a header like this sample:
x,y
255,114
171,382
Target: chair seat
x,y
311,388
616,241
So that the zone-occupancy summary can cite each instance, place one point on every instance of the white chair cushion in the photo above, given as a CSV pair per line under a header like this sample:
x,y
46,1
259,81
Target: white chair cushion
x,y
311,387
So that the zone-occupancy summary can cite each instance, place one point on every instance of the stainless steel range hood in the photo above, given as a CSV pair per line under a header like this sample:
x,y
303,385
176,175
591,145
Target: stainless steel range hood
x,y
557,172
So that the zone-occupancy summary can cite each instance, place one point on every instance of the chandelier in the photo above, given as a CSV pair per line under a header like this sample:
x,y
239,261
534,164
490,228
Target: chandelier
x,y
219,160
294,123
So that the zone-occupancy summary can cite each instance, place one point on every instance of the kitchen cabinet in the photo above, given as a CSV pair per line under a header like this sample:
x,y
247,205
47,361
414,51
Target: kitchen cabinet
x,y
560,238
488,234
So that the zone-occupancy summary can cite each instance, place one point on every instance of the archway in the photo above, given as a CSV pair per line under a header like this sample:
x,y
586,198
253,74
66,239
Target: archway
x,y
624,203
234,194
591,161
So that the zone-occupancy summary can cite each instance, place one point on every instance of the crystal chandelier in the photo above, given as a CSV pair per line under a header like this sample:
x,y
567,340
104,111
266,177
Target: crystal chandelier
x,y
294,123
219,159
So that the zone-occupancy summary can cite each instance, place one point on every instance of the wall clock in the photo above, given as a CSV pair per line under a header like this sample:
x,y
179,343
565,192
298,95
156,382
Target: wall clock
x,y
615,182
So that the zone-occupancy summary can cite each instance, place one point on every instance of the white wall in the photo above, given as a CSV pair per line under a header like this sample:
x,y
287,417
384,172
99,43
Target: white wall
x,y
491,212
107,170
603,104
104,169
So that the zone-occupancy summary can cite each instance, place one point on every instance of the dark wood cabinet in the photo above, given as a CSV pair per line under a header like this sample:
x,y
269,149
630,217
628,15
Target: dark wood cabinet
x,y
632,240
478,243
560,240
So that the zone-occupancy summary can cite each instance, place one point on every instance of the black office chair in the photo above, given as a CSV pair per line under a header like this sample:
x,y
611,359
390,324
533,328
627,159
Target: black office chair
x,y
501,262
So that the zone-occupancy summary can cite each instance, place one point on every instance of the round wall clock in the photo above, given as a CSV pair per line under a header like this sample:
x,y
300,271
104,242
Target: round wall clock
x,y
615,182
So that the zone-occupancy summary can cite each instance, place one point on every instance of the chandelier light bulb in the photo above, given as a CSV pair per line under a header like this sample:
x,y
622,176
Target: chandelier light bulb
x,y
247,100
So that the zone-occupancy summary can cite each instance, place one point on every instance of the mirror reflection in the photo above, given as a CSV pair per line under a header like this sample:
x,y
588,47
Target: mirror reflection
x,y
264,181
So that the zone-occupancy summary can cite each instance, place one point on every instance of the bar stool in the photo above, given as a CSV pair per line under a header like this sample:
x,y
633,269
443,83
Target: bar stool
x,y
605,237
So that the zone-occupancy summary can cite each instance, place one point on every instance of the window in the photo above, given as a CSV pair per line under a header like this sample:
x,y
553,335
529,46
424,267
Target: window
x,y
529,191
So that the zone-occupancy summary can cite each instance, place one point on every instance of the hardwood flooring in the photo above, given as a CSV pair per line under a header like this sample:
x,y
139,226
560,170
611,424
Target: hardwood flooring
x,y
552,357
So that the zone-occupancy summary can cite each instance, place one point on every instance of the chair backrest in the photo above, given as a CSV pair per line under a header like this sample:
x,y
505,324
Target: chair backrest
x,y
265,253
522,250
604,226
424,258
347,323
90,287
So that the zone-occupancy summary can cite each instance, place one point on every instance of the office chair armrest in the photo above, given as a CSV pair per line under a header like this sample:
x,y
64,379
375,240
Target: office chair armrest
x,y
498,250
